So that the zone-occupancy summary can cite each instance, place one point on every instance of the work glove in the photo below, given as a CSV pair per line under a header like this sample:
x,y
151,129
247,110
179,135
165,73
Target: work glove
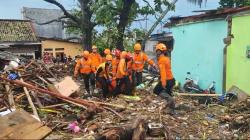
x,y
12,76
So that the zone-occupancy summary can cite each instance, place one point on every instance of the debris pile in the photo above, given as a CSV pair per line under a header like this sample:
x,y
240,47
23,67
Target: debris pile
x,y
144,116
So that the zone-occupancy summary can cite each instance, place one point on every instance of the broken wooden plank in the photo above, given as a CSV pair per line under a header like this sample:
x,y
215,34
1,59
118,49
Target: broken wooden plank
x,y
34,88
29,98
67,86
10,97
38,133
19,125
195,94
37,99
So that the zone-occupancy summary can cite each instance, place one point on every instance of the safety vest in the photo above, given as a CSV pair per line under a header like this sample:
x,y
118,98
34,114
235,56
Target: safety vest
x,y
84,65
96,60
122,69
103,73
115,64
165,68
138,62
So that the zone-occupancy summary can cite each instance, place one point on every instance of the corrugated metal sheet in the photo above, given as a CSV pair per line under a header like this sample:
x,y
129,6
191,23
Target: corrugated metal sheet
x,y
210,14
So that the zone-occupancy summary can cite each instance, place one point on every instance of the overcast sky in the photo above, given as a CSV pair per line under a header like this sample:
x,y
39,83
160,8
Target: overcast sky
x,y
11,9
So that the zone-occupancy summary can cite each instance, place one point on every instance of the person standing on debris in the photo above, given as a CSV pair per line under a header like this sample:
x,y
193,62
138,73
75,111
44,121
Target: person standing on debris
x,y
96,61
139,60
95,57
84,65
103,75
165,85
122,77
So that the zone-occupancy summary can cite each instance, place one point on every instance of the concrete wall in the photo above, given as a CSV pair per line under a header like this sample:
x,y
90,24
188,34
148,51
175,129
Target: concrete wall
x,y
71,49
53,29
198,49
238,65
150,48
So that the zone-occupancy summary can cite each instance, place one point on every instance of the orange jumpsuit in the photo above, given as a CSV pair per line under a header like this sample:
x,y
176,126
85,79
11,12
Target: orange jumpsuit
x,y
96,60
167,80
122,78
115,63
137,67
85,67
139,61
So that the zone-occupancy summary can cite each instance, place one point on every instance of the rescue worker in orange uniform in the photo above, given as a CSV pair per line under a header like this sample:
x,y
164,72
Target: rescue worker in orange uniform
x,y
122,77
103,75
116,53
95,57
106,52
96,61
129,58
139,60
165,86
84,66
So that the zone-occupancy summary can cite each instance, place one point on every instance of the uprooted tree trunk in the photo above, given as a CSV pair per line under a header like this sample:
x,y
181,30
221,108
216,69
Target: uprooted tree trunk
x,y
136,132
140,129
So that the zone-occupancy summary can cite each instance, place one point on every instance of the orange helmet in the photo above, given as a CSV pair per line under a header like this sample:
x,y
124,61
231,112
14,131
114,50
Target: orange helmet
x,y
85,54
94,47
137,47
161,47
109,57
123,54
107,51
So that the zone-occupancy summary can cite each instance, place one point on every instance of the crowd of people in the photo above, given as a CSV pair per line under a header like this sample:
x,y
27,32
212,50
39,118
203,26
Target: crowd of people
x,y
121,71
49,58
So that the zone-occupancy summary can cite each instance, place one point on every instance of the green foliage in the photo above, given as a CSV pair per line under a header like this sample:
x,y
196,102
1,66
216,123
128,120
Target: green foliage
x,y
233,3
106,13
106,39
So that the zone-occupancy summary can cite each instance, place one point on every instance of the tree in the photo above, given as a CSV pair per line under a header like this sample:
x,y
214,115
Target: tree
x,y
233,3
120,14
115,15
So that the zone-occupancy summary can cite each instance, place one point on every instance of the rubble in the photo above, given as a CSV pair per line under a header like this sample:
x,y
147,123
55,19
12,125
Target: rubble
x,y
144,116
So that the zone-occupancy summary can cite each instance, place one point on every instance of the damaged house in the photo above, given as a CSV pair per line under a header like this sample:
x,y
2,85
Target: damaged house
x,y
213,46
18,37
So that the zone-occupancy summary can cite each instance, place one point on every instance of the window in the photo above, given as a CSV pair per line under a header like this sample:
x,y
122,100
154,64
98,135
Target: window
x,y
48,49
59,49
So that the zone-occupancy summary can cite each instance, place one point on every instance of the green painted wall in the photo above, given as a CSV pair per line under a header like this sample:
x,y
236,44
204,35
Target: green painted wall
x,y
238,65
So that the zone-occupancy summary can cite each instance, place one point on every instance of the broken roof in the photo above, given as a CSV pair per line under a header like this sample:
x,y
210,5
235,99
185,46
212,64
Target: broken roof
x,y
207,15
16,31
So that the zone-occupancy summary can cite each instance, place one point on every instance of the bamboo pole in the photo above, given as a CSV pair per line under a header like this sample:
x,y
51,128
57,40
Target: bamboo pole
x,y
29,99
195,94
